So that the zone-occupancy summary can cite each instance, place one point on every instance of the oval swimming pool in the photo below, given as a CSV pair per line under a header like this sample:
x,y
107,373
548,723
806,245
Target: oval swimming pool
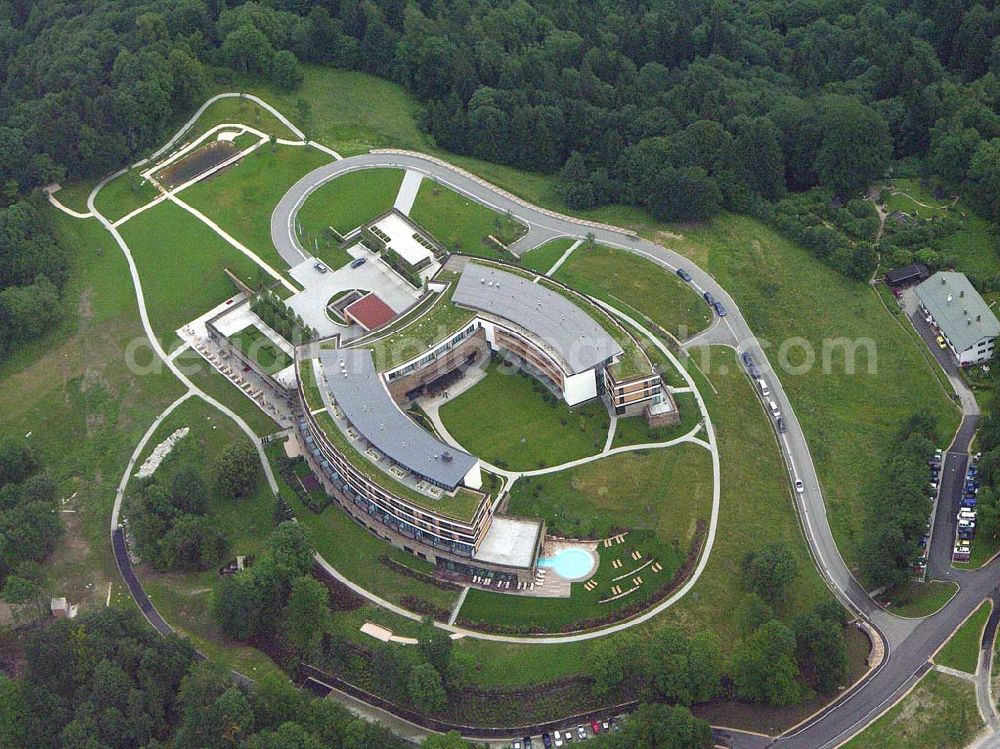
x,y
570,564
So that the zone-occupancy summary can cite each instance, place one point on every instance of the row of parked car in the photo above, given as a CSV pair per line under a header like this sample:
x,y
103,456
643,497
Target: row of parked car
x,y
967,513
569,735
709,298
765,392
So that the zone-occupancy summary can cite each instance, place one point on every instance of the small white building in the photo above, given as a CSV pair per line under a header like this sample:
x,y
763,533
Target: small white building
x,y
962,316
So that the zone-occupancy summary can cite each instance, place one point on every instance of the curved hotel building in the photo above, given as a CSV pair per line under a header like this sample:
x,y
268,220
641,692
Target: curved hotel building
x,y
414,490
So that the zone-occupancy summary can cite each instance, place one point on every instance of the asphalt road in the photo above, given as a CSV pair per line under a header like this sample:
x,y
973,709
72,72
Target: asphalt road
x,y
908,643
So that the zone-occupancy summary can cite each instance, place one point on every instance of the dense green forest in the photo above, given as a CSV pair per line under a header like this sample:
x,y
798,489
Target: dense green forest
x,y
673,105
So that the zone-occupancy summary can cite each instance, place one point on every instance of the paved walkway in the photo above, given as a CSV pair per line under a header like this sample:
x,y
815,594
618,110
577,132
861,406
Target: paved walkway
x,y
565,256
408,191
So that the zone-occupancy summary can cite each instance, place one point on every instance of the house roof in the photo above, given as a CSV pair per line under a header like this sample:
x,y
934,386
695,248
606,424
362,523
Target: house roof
x,y
403,238
370,311
578,338
359,392
907,273
958,309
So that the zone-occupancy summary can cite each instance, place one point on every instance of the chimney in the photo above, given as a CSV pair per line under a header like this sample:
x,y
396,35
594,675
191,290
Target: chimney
x,y
979,318
961,293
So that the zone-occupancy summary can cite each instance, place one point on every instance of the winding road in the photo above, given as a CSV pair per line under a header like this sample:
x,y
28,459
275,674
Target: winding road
x,y
908,644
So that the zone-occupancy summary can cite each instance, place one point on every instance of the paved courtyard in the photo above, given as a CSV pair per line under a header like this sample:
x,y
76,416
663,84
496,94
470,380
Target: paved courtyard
x,y
318,287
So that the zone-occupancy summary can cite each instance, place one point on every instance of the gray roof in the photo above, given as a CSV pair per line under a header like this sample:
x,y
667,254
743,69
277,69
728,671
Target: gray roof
x,y
958,309
575,336
370,409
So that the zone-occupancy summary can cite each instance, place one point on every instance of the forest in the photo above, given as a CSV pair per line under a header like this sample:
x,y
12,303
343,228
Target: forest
x,y
676,106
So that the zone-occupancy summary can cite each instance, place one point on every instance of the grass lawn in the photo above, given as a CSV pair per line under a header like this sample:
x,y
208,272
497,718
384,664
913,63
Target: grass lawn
x,y
545,256
756,508
848,418
237,111
633,283
124,194
962,650
909,197
241,198
635,430
975,247
181,263
349,201
75,196
940,713
665,490
534,429
252,342
350,112
83,408
919,599
461,224
550,614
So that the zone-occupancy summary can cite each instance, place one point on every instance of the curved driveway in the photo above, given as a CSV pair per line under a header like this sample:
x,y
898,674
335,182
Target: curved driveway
x,y
908,643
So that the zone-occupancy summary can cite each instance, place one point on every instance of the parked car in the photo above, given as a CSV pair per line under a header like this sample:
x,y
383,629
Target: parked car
x,y
719,309
762,387
557,738
781,425
709,299
320,267
799,486
941,344
595,727
527,742
581,732
358,262
775,412
747,359
516,745
685,276
546,741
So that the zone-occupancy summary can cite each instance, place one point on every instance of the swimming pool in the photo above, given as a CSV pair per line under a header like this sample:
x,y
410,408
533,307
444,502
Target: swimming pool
x,y
571,564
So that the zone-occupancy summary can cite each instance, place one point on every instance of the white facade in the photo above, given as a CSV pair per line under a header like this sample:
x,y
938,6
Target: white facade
x,y
580,387
474,478
978,353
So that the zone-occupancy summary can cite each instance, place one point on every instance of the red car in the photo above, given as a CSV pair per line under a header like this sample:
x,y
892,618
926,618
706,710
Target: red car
x,y
595,727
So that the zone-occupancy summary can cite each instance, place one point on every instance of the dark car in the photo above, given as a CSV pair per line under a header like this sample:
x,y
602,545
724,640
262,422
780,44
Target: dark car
x,y
719,309
527,742
685,276
781,425
709,299
747,359
547,741
358,262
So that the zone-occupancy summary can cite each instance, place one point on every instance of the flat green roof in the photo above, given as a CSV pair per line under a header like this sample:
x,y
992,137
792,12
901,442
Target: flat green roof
x,y
423,331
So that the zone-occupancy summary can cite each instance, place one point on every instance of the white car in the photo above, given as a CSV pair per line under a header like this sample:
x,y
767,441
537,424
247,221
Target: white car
x,y
799,486
775,412
581,732
557,738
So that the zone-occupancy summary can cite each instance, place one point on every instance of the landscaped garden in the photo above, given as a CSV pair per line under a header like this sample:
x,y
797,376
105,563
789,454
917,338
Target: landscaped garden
x,y
347,202
460,223
532,429
636,284
631,575
636,430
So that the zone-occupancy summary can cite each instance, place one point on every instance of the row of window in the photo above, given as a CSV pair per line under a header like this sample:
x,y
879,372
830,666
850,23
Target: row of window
x,y
426,359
